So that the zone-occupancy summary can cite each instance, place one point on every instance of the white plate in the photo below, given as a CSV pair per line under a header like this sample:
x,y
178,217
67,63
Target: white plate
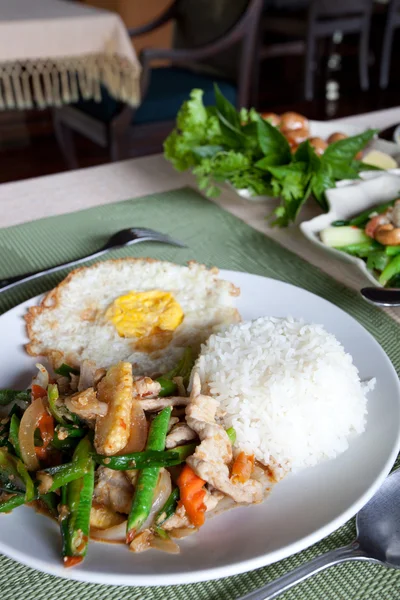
x,y
301,510
348,200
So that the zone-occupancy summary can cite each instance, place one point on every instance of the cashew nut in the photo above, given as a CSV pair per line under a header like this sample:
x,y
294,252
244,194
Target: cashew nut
x,y
388,235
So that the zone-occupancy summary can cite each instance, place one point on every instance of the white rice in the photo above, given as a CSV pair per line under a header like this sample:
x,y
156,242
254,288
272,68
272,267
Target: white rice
x,y
288,388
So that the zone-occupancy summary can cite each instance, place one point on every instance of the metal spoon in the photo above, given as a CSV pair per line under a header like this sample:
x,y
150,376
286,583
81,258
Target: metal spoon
x,y
382,296
378,541
125,237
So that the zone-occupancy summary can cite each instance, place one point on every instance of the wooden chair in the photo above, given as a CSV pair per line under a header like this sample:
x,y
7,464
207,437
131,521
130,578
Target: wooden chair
x,y
392,23
322,19
122,129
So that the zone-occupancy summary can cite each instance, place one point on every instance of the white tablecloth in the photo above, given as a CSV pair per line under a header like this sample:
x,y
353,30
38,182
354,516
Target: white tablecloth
x,y
51,48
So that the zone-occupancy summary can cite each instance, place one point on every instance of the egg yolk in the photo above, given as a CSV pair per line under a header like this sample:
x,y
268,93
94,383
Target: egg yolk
x,y
141,314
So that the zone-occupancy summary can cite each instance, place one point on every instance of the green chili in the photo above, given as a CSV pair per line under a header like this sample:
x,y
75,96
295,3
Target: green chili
x,y
146,459
148,477
231,435
13,434
76,524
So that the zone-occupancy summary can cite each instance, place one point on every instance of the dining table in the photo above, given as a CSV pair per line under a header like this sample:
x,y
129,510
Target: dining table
x,y
55,52
59,217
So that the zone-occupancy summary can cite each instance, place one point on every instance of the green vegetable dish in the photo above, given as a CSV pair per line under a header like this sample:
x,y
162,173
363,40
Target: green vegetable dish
x,y
220,144
108,461
374,236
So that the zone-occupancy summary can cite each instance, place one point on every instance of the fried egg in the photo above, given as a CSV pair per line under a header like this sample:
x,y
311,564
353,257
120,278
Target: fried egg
x,y
138,310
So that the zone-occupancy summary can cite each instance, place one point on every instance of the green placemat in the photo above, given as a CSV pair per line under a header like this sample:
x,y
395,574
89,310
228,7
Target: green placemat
x,y
214,237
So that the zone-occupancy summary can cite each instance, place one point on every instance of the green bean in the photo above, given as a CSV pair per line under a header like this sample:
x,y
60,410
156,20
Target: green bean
x,y
14,475
13,434
183,368
168,387
50,501
8,396
392,269
231,434
168,509
362,249
148,477
362,219
65,370
392,250
54,478
75,524
18,499
11,503
146,459
340,223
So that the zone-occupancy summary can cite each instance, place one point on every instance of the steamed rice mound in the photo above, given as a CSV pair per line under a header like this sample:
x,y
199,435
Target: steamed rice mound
x,y
288,388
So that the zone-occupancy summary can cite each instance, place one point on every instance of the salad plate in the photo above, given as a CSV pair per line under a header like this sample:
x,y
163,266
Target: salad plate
x,y
348,200
301,510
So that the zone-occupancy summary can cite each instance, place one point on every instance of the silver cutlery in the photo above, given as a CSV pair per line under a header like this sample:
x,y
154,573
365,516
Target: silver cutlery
x,y
382,296
125,237
378,541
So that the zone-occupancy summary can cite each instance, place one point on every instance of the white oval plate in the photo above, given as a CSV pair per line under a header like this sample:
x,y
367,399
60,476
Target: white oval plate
x,y
346,201
301,510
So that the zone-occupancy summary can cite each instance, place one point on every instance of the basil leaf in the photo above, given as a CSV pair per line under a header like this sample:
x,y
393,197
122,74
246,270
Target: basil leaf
x,y
321,181
7,396
345,150
226,109
274,145
305,153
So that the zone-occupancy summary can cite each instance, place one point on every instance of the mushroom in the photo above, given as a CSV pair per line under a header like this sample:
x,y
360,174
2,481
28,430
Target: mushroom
x,y
318,144
296,137
290,121
272,118
388,235
336,137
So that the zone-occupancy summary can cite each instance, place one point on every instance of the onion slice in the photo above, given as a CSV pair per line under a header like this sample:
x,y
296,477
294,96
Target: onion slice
x,y
138,433
161,495
29,423
42,377
112,534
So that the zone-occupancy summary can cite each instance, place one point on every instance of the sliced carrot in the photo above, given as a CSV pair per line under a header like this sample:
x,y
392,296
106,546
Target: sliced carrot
x,y
192,495
38,392
71,561
242,467
46,428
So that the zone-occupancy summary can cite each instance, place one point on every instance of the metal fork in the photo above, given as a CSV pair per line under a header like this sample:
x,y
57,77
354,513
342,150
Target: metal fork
x,y
125,237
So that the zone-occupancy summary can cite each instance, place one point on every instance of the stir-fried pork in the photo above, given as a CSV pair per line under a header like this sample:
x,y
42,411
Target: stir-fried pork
x,y
180,434
211,458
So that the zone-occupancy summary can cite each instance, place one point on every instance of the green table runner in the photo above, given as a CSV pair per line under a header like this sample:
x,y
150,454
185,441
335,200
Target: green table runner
x,y
214,237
